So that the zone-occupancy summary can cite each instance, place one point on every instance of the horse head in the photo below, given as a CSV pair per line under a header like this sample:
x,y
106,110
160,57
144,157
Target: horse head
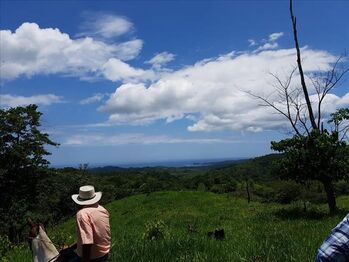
x,y
41,246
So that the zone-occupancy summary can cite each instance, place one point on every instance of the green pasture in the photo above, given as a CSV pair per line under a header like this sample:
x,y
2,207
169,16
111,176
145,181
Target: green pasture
x,y
253,232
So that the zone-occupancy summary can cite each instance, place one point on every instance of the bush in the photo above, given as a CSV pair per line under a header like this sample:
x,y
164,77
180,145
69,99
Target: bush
x,y
218,189
201,187
342,188
155,230
266,193
288,192
5,245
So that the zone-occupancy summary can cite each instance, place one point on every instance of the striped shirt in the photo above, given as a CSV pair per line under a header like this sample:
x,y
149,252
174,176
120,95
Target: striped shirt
x,y
336,245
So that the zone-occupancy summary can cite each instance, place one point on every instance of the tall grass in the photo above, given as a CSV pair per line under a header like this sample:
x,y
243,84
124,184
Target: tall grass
x,y
254,232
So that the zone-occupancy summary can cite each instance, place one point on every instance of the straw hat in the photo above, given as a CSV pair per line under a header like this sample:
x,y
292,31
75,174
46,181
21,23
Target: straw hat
x,y
87,196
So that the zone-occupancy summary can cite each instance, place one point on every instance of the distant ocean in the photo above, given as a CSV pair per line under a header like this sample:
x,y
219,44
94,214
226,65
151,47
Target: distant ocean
x,y
176,163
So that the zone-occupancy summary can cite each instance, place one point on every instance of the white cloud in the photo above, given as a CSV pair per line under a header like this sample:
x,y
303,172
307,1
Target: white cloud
x,y
214,91
117,70
252,42
104,25
344,100
161,59
142,139
13,101
275,36
32,50
267,46
93,99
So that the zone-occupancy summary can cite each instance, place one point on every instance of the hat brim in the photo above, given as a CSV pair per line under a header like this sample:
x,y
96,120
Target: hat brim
x,y
91,201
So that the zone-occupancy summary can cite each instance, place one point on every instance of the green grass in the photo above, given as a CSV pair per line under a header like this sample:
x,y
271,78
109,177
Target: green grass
x,y
255,232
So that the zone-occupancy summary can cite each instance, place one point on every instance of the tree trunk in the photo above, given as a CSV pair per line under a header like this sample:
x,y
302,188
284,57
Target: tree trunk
x,y
331,196
300,69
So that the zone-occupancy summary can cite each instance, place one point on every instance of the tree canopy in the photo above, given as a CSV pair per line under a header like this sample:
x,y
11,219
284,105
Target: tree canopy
x,y
22,160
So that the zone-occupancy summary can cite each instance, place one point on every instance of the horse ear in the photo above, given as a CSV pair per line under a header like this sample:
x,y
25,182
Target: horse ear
x,y
45,223
30,222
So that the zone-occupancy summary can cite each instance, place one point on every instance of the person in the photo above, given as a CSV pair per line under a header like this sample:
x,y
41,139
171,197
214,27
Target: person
x,y
92,227
336,246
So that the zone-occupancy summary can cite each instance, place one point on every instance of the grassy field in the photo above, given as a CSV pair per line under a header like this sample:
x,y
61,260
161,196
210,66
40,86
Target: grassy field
x,y
254,232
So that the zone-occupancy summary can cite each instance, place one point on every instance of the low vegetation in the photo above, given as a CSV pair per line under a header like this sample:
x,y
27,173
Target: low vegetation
x,y
173,226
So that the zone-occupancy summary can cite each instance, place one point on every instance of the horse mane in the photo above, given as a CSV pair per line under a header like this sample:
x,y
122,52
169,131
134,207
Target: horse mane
x,y
43,248
47,241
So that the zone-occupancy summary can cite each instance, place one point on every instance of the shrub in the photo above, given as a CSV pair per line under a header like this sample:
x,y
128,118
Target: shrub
x,y
155,230
5,245
266,193
218,189
342,188
288,192
201,187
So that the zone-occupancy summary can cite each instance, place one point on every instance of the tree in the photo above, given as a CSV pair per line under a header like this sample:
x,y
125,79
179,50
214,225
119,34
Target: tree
x,y
22,152
313,153
318,156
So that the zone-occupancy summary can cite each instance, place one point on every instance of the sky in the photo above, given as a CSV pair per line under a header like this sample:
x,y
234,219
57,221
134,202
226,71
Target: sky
x,y
122,82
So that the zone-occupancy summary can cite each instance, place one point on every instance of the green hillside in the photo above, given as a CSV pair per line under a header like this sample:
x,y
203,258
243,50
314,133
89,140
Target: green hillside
x,y
254,232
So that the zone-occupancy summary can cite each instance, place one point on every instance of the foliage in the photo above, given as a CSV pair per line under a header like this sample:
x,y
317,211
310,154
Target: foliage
x,y
22,152
5,245
201,187
155,230
317,156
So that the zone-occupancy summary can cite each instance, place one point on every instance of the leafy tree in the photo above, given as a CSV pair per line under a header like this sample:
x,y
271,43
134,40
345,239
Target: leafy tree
x,y
22,152
318,156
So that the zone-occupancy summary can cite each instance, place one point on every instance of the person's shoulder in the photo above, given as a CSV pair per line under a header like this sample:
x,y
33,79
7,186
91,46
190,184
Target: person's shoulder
x,y
103,209
83,213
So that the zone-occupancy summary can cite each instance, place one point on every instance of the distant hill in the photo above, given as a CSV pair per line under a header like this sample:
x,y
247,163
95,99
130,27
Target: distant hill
x,y
169,165
258,169
105,169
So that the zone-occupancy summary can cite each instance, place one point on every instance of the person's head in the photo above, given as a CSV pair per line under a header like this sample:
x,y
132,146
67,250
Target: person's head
x,y
86,197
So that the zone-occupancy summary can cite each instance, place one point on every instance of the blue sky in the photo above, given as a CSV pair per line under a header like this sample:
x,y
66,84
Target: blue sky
x,y
145,81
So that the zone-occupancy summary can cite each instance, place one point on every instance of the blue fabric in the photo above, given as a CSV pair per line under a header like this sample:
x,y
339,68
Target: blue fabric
x,y
335,248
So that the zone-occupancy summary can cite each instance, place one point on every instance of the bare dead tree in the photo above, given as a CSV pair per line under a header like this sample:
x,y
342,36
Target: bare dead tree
x,y
300,69
293,102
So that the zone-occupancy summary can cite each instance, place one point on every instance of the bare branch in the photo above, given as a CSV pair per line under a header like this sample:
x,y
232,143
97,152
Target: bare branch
x,y
300,69
272,105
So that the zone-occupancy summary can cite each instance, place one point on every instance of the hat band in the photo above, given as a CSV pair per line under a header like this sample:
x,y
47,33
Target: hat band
x,y
84,199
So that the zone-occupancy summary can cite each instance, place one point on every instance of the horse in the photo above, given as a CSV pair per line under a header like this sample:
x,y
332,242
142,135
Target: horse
x,y
42,248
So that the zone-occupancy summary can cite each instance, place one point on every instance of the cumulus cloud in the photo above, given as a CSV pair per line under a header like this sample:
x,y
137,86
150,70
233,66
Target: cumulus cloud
x,y
32,50
104,25
161,59
117,70
124,139
215,92
13,101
